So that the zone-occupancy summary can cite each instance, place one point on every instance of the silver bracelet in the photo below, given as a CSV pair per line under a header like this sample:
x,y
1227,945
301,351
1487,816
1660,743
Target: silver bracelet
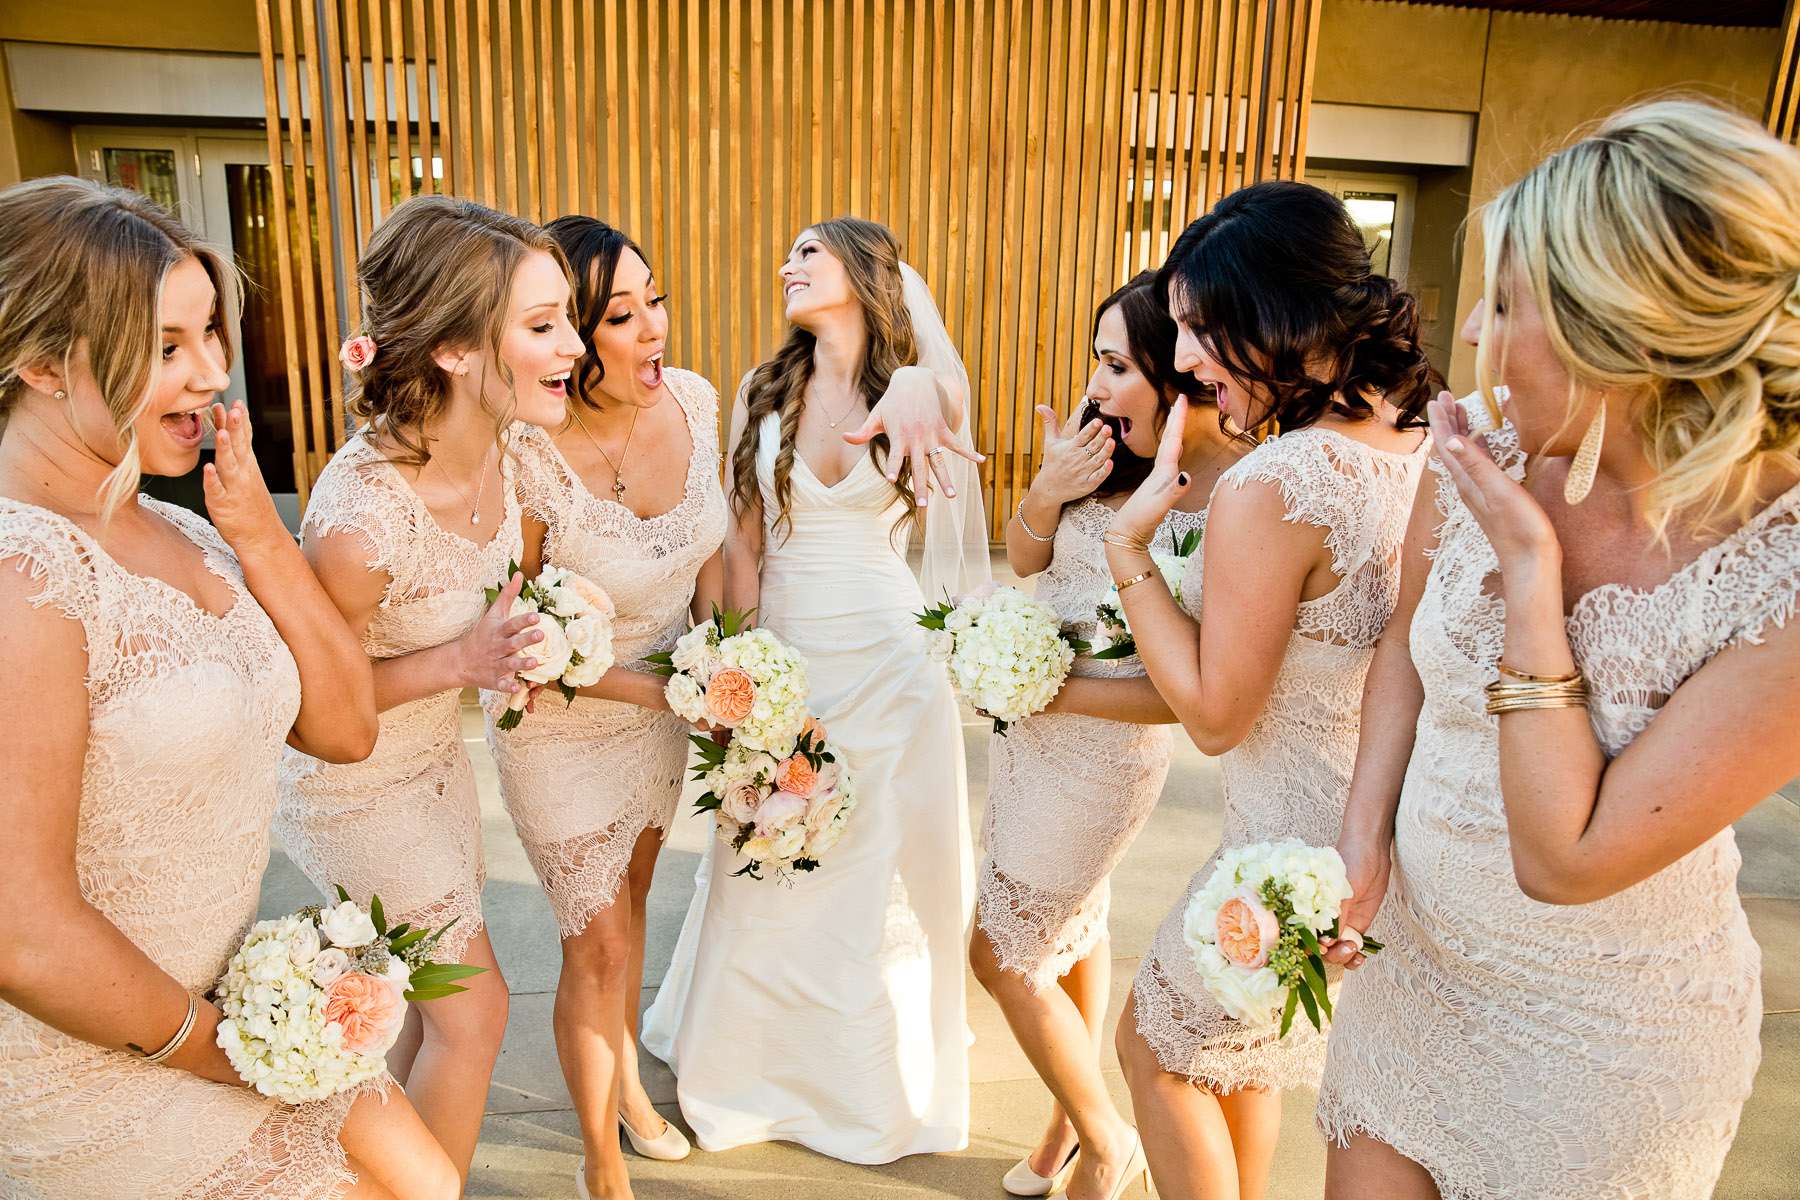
x,y
1034,535
181,1035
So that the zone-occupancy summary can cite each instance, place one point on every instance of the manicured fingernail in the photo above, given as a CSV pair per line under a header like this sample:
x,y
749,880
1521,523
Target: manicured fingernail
x,y
1454,445
1183,478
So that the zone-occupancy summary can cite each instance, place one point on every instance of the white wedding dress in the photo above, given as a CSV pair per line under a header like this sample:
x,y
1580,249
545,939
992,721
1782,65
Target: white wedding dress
x,y
831,1012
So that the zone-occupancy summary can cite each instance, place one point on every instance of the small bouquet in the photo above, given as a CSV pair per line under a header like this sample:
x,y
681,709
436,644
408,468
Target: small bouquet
x,y
313,1001
744,680
1254,930
1008,653
1114,631
577,646
779,813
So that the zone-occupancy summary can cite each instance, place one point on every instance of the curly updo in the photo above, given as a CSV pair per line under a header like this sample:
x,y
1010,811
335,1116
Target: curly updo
x,y
1278,282
1663,251
437,273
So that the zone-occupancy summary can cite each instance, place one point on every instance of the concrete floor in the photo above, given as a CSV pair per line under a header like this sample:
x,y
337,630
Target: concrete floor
x,y
530,1142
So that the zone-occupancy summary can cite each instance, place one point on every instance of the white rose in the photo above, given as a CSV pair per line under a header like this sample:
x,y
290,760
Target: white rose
x,y
347,925
303,944
789,842
591,636
398,973
958,620
694,653
740,802
938,645
552,653
819,843
1253,997
685,698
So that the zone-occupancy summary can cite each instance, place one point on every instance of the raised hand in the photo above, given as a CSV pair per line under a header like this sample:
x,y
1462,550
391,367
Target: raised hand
x,y
1515,523
1076,458
237,499
1165,484
911,413
492,653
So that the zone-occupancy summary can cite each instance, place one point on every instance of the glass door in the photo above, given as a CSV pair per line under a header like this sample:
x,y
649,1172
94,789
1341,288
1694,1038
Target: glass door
x,y
1382,207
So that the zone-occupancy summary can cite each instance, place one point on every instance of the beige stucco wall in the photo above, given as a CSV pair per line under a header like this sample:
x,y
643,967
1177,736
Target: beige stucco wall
x,y
222,25
1400,55
1547,76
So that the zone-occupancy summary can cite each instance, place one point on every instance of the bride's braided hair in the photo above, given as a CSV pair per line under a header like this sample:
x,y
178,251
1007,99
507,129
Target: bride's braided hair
x,y
871,259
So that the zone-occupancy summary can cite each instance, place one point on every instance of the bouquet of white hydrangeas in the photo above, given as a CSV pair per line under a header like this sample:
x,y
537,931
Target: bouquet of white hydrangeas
x,y
1008,653
578,635
1254,930
1113,632
744,680
314,1001
779,813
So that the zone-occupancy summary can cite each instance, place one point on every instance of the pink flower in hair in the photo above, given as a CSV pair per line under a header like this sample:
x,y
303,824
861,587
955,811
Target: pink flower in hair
x,y
358,352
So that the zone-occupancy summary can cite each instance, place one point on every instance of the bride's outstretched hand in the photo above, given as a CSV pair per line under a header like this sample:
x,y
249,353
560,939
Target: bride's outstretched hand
x,y
1165,484
911,413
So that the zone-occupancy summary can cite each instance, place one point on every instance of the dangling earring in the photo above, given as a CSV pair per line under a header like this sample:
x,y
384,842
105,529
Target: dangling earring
x,y
1587,459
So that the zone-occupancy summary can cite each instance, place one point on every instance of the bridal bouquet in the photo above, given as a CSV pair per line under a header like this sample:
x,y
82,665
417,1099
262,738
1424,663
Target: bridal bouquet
x,y
313,1001
744,680
577,646
1254,930
779,813
1008,653
1113,631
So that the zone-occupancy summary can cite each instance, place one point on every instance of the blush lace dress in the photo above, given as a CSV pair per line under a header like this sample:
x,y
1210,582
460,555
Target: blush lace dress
x,y
1291,776
1067,794
405,822
1514,1048
187,714
582,781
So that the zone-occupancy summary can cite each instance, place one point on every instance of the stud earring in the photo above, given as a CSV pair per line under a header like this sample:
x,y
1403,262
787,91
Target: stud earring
x,y
1587,459
59,394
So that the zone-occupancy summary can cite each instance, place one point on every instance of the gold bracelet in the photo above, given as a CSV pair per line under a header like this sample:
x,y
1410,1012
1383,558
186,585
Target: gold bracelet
x,y
1034,535
1125,541
181,1035
1503,697
1527,677
1134,580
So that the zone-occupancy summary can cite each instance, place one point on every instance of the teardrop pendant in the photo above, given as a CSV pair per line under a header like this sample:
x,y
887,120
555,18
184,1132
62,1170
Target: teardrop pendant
x,y
1580,480
474,518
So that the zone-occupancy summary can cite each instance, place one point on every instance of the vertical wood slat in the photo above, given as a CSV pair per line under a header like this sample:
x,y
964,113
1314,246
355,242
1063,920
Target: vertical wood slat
x,y
1028,154
284,253
1784,88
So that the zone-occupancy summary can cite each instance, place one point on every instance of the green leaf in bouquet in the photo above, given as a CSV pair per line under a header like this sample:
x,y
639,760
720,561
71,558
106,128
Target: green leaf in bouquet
x,y
343,896
1124,648
567,690
1371,946
510,719
752,869
492,594
1186,544
708,802
1309,1004
1076,644
661,663
1314,971
376,915
1287,1011
999,727
732,621
1309,939
398,941
711,753
397,931
433,975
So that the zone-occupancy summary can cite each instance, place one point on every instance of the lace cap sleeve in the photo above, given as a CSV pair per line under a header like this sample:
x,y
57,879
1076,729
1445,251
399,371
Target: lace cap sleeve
x,y
60,559
1758,578
359,494
698,398
541,476
1321,482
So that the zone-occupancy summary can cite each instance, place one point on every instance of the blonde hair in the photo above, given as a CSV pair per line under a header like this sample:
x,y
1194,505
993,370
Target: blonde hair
x,y
871,258
437,273
1663,252
83,265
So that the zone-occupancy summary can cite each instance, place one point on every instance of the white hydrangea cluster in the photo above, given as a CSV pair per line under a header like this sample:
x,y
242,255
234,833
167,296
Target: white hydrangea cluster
x,y
777,708
1008,656
275,1031
1317,886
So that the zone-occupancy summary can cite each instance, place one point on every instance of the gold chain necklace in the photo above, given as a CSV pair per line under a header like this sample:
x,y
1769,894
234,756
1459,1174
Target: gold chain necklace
x,y
854,401
480,491
618,487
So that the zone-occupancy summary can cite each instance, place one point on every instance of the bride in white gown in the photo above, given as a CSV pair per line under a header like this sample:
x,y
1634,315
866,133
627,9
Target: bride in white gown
x,y
831,1012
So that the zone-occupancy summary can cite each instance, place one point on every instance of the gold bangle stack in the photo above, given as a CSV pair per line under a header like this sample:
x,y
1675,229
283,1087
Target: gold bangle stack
x,y
181,1035
1519,691
1125,541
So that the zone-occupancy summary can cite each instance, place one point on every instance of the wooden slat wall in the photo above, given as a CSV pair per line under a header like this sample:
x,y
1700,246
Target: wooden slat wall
x,y
1029,154
1784,89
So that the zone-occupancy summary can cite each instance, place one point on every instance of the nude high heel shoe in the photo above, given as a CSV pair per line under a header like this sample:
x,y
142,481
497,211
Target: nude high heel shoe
x,y
671,1145
1136,1167
1023,1181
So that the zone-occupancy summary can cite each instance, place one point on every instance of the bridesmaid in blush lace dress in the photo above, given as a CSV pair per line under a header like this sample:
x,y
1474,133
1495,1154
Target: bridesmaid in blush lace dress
x,y
1069,789
166,660
1299,574
1590,677
627,494
468,310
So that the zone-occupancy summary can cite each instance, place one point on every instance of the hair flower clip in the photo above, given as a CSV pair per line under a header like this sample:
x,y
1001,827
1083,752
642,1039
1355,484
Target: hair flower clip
x,y
357,352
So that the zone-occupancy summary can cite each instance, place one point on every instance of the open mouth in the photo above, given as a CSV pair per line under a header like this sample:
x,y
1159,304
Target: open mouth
x,y
557,384
186,428
650,372
797,285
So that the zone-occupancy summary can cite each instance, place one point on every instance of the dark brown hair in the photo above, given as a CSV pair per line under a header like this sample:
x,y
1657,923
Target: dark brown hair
x,y
1278,282
1150,336
593,249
